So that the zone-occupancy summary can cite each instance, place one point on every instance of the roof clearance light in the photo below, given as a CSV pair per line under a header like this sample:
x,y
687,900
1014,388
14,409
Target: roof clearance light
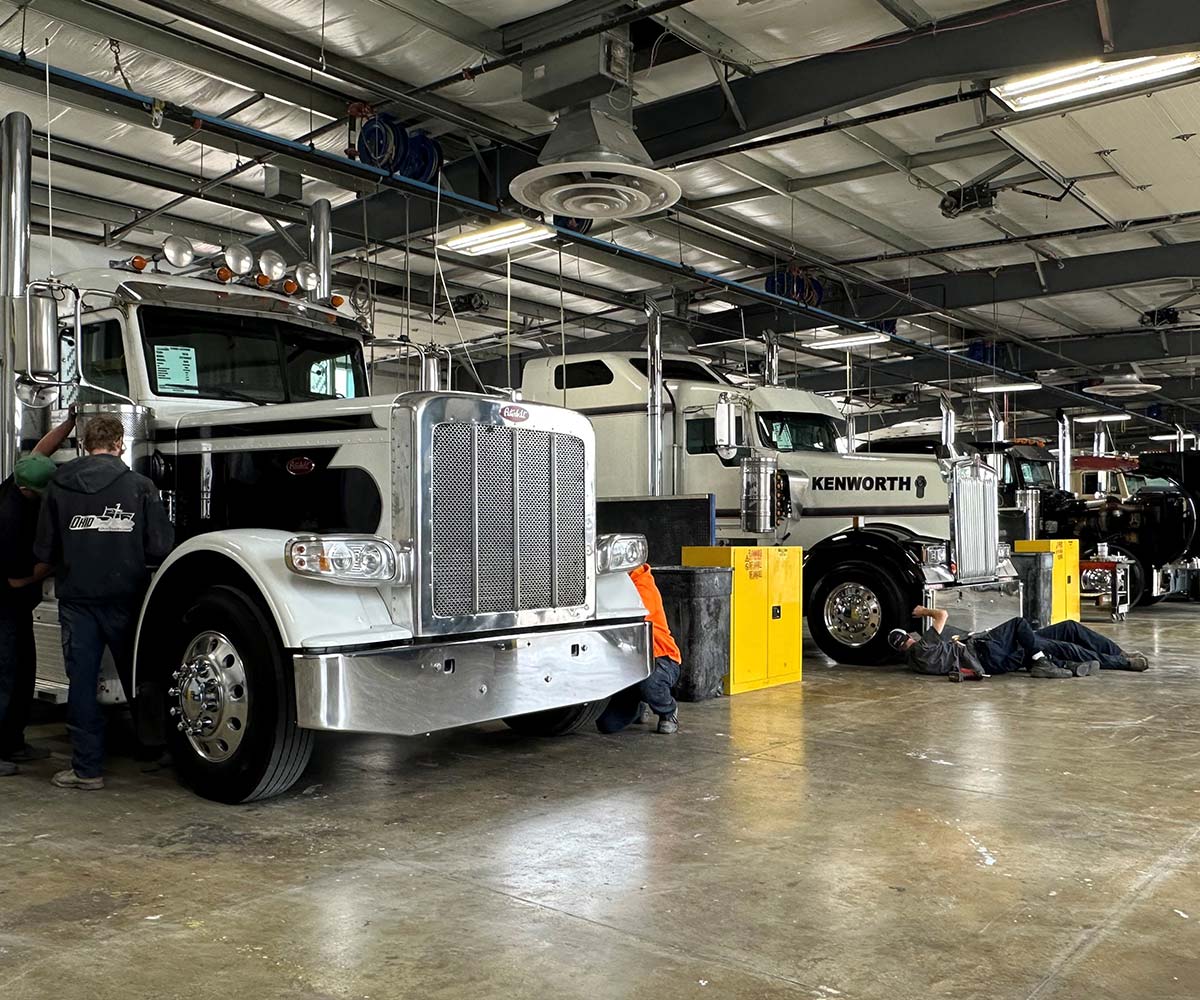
x,y
238,258
138,262
998,387
306,276
223,273
501,236
850,340
290,286
262,280
178,251
1087,79
1104,418
272,265
336,301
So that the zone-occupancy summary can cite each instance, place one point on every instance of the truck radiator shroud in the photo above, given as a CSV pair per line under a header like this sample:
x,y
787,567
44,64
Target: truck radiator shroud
x,y
508,519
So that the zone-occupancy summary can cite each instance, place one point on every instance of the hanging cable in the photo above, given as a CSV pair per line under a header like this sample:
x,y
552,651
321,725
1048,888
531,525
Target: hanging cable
x,y
562,328
49,164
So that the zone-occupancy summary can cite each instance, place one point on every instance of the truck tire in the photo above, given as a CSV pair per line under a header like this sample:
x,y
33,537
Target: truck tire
x,y
851,610
232,731
557,721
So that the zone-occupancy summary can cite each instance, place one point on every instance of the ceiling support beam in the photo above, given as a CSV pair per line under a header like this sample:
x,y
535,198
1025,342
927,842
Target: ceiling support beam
x,y
981,45
1020,282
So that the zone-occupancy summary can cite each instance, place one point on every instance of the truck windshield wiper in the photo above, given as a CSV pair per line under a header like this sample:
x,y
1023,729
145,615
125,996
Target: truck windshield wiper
x,y
215,392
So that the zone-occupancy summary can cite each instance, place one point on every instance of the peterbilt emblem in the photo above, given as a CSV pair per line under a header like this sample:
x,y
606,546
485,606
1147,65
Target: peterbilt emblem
x,y
300,465
922,482
517,414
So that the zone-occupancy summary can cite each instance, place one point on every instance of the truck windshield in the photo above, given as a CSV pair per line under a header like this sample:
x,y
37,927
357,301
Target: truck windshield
x,y
260,359
1034,474
798,431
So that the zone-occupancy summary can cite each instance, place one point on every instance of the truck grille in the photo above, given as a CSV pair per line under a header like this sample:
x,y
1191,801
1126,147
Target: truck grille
x,y
508,519
974,500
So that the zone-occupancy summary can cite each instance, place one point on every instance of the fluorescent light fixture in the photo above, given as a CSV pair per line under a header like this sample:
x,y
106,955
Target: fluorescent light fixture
x,y
501,236
998,387
1086,79
850,340
1103,418
1188,435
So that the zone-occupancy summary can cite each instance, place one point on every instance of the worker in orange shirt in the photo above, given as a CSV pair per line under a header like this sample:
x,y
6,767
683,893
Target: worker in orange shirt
x,y
655,690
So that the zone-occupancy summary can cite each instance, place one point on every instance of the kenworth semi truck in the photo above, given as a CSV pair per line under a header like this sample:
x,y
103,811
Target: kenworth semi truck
x,y
383,564
881,534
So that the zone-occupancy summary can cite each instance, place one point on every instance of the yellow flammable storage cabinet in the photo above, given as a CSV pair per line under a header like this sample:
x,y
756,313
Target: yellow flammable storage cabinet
x,y
1064,576
766,612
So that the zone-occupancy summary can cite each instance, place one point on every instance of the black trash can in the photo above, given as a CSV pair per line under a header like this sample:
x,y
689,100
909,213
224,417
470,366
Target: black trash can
x,y
696,600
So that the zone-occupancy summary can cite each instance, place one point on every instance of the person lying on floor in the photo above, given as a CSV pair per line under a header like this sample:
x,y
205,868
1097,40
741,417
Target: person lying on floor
x,y
1067,649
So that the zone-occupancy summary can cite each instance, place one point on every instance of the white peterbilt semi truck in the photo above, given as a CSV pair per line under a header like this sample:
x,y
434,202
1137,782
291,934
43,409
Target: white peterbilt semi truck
x,y
384,564
881,534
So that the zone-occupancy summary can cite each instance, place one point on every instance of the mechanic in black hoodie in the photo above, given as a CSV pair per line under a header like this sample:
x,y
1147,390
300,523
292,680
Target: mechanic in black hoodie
x,y
101,526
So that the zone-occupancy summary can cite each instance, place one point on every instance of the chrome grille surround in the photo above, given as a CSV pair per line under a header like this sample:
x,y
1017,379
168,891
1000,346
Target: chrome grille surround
x,y
500,501
975,521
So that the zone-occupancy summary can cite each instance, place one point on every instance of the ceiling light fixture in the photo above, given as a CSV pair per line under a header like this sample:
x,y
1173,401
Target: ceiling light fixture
x,y
1086,79
1102,418
1188,435
850,340
992,388
501,236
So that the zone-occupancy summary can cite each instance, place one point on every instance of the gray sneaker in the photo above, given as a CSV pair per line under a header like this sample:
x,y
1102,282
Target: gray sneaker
x,y
1137,661
1084,668
668,724
8,769
1046,667
69,779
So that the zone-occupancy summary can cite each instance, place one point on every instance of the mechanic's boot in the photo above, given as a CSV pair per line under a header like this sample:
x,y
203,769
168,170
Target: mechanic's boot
x,y
1045,667
668,724
69,779
1084,668
1137,661
8,769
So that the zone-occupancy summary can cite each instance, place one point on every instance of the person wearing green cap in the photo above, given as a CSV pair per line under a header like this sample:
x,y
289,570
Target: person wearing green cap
x,y
20,591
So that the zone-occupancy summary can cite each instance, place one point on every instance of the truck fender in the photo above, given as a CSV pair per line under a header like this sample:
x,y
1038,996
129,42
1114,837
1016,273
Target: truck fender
x,y
880,545
252,559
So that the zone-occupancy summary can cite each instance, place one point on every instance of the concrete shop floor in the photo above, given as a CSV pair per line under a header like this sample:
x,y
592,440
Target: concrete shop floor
x,y
868,834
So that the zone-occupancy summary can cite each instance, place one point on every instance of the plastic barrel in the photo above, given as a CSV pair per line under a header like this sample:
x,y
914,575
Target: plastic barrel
x,y
697,601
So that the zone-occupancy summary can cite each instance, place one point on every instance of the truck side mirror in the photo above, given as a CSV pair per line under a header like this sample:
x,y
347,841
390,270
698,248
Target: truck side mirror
x,y
726,429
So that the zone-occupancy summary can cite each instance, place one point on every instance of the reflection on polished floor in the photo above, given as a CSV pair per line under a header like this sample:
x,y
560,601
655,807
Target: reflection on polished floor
x,y
867,834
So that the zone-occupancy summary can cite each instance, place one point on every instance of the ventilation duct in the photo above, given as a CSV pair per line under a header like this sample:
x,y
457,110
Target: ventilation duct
x,y
592,166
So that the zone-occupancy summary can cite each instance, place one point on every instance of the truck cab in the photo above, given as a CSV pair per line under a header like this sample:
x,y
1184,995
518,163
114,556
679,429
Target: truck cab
x,y
1152,527
881,533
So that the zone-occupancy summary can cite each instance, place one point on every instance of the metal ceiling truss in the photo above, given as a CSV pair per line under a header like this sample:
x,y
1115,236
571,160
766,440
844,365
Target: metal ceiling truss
x,y
988,43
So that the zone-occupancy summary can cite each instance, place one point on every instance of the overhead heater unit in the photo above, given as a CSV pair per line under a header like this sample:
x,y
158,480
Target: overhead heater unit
x,y
592,166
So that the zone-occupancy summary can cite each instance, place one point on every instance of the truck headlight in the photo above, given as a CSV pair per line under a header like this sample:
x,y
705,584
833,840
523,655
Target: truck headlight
x,y
935,555
620,553
350,559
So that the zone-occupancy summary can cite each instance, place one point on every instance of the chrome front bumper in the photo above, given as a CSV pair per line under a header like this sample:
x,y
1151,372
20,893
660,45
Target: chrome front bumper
x,y
978,606
409,690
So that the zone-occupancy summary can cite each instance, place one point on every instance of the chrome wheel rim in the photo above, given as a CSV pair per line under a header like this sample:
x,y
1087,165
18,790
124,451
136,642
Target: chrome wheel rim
x,y
852,614
209,702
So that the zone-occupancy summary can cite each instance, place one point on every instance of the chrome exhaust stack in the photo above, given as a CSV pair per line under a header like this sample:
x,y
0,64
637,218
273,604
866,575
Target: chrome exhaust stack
x,y
320,248
1064,451
16,140
654,403
949,425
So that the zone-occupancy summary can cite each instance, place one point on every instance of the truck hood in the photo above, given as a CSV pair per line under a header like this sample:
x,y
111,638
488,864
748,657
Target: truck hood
x,y
872,483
